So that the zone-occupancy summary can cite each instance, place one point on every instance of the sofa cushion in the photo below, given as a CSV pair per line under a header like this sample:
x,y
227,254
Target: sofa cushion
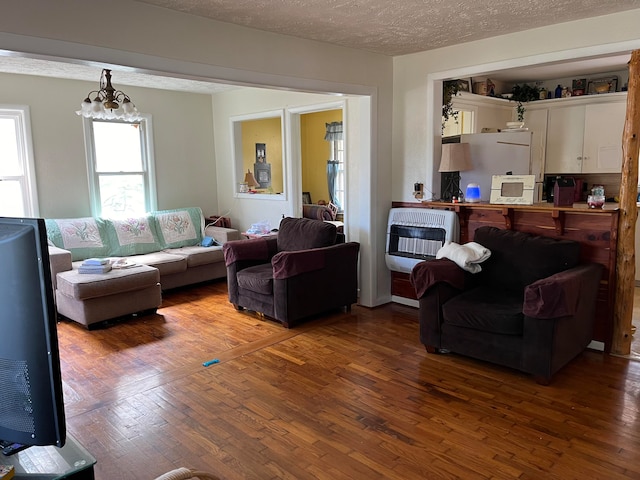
x,y
131,236
519,259
486,309
82,286
304,234
180,227
83,237
197,256
166,263
257,279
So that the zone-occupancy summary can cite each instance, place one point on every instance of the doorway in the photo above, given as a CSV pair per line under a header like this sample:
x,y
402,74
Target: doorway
x,y
322,161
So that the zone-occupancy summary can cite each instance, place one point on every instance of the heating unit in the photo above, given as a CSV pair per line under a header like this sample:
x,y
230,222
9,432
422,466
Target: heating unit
x,y
415,235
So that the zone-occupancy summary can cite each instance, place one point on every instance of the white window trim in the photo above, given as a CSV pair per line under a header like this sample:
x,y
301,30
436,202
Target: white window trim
x,y
22,115
148,158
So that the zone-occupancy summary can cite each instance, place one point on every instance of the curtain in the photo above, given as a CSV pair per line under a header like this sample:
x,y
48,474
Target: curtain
x,y
333,133
332,181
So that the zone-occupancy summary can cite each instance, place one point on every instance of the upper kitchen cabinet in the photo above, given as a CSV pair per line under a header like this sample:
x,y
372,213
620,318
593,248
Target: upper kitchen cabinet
x,y
603,126
565,137
586,137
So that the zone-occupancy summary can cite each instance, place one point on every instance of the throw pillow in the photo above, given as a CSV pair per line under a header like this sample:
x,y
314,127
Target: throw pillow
x,y
83,237
132,236
180,227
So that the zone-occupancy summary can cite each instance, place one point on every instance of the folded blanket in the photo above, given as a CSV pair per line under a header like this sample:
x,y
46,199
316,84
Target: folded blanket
x,y
467,256
431,272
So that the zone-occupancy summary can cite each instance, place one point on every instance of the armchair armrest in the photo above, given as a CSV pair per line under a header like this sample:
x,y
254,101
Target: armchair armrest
x,y
257,250
559,295
289,264
222,235
431,272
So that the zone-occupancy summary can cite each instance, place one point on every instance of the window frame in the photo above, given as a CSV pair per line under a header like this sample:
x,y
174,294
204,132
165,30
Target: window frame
x,y
148,163
338,154
22,118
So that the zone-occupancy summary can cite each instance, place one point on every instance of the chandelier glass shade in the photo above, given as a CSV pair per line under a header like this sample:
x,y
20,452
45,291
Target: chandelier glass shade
x,y
108,103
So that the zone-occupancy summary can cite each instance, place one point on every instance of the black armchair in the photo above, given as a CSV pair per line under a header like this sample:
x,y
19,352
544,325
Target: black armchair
x,y
530,308
306,270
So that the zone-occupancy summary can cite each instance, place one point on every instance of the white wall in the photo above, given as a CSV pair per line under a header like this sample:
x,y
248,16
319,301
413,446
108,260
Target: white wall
x,y
156,40
183,143
417,97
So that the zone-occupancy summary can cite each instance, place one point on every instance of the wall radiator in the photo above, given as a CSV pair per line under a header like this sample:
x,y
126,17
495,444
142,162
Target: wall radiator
x,y
416,234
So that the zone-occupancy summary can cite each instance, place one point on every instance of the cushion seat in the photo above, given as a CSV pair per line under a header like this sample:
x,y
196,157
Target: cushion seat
x,y
258,279
494,311
166,263
198,255
82,286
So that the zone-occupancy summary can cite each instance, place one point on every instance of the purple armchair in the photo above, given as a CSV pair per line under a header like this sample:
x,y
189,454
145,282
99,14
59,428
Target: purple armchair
x,y
530,308
306,270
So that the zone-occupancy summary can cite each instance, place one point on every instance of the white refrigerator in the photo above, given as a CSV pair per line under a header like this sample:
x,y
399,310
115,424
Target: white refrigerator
x,y
499,154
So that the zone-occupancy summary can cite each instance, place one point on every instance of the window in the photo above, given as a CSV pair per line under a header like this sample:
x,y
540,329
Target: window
x,y
335,166
120,164
337,155
461,123
18,196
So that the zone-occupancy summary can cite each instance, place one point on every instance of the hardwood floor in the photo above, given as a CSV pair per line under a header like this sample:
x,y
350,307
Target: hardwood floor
x,y
347,396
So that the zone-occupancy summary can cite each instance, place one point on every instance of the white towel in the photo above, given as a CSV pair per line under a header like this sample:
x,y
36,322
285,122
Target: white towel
x,y
467,256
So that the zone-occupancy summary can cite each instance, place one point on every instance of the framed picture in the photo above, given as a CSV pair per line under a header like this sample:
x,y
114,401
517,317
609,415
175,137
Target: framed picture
x,y
579,87
603,85
306,198
464,84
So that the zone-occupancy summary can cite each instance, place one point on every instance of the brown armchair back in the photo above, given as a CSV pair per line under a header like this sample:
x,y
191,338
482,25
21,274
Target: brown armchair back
x,y
307,270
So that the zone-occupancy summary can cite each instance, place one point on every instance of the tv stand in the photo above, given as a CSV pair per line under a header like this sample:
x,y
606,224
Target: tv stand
x,y
50,463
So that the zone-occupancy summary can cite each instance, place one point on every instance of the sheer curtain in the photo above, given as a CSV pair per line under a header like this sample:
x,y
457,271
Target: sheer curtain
x,y
333,135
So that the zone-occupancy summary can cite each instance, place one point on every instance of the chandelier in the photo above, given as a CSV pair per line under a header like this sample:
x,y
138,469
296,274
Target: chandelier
x,y
108,103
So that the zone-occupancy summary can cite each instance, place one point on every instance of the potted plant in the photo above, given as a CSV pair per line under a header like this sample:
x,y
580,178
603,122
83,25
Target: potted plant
x,y
449,90
522,94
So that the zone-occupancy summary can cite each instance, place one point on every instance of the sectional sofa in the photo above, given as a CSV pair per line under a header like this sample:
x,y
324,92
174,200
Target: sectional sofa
x,y
158,251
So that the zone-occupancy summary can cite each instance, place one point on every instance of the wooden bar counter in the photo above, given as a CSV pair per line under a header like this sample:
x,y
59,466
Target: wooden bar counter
x,y
595,229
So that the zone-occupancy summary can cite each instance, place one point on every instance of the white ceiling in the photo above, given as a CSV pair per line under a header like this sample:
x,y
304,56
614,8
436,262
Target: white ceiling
x,y
388,27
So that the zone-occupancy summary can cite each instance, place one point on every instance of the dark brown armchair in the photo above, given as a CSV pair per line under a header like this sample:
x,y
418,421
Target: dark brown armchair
x,y
530,308
305,270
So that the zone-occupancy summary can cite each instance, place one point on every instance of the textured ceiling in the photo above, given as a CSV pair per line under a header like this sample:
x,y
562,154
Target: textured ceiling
x,y
395,27
389,27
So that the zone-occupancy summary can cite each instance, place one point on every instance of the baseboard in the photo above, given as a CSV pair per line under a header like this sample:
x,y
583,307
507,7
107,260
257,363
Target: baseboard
x,y
405,301
595,345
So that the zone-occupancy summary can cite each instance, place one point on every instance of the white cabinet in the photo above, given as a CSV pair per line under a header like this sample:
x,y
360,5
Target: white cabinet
x,y
565,135
585,138
603,126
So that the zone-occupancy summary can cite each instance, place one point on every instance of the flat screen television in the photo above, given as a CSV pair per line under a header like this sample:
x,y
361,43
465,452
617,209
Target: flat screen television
x,y
31,401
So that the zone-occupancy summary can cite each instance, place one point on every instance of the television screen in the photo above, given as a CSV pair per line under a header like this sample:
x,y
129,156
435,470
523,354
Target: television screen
x,y
31,402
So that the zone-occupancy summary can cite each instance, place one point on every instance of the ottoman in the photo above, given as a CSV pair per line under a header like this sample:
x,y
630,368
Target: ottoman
x,y
92,298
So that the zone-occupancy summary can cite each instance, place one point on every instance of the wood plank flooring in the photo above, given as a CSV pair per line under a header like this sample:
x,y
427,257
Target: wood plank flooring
x,y
346,396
